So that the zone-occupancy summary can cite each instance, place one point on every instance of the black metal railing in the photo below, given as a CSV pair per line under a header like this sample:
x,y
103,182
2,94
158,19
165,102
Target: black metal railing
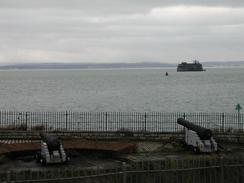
x,y
200,170
117,121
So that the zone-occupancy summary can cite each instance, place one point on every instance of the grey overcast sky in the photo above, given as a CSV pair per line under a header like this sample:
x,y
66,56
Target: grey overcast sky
x,y
36,31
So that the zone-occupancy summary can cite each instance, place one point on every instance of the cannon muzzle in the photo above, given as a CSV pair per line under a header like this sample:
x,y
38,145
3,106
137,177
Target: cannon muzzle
x,y
203,133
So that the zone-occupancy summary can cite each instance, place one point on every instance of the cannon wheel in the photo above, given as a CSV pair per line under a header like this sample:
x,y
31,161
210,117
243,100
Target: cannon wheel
x,y
196,150
38,156
43,162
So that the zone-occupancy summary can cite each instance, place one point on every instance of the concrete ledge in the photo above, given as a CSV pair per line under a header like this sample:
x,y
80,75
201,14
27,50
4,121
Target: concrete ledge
x,y
233,137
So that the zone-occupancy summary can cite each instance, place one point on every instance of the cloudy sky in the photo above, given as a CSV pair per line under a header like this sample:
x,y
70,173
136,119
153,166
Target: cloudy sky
x,y
33,31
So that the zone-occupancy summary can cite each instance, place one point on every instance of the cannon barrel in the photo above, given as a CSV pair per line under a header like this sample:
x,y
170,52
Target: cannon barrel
x,y
53,142
203,133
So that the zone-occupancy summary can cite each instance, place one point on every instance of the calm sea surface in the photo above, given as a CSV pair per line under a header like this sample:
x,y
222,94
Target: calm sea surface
x,y
217,90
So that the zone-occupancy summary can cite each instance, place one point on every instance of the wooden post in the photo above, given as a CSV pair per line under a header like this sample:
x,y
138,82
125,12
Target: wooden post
x,y
8,176
124,173
222,173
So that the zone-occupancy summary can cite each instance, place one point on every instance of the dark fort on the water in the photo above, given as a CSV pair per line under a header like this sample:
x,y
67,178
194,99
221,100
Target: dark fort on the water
x,y
195,66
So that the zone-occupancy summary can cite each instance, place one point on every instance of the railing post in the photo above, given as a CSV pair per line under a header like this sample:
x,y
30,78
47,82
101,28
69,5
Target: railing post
x,y
242,122
0,119
239,121
223,122
184,115
106,122
26,121
145,121
66,120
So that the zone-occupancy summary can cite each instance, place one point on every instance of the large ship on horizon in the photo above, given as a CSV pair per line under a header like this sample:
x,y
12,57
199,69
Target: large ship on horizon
x,y
195,66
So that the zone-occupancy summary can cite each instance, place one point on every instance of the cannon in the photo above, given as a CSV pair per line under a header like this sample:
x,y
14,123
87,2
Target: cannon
x,y
52,150
198,138
53,143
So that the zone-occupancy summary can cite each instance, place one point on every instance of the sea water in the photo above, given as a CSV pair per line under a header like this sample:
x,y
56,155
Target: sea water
x,y
216,90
